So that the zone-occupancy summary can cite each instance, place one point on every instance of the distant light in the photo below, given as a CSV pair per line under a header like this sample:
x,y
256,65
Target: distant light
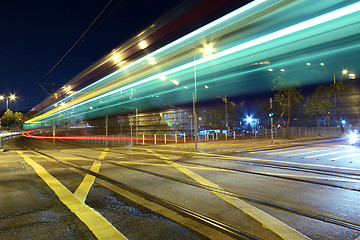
x,y
120,63
352,76
186,87
343,121
270,69
249,119
308,64
116,57
55,104
344,71
143,44
91,108
12,97
322,64
283,70
175,82
208,49
1,97
206,86
62,104
151,61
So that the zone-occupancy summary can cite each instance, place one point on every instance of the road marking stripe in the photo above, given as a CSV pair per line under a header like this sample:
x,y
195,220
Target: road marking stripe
x,y
97,224
83,189
281,152
258,160
167,165
276,150
346,156
296,154
267,221
324,154
78,158
310,177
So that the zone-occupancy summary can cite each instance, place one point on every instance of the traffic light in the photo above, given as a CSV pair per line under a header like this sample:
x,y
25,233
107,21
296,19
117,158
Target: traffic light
x,y
271,112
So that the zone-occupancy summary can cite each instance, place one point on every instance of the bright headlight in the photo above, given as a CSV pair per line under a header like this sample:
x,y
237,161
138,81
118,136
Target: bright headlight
x,y
353,137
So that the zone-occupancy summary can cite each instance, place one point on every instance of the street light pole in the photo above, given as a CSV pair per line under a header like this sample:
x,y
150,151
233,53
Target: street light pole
x,y
194,105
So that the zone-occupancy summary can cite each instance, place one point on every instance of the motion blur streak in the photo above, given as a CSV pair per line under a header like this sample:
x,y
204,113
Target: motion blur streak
x,y
283,36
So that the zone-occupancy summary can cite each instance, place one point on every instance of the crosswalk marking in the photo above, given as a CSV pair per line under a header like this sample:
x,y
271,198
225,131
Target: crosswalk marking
x,y
296,150
275,150
346,156
324,154
303,153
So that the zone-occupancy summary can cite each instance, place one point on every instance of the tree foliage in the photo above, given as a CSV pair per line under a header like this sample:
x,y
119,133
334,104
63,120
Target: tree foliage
x,y
319,103
8,118
286,93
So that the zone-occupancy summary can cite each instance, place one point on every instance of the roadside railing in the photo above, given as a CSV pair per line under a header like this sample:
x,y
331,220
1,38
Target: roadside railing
x,y
6,136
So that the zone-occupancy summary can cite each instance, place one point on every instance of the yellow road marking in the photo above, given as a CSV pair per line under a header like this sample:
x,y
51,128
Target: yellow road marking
x,y
296,154
167,165
329,153
70,158
83,190
97,224
346,156
267,221
257,159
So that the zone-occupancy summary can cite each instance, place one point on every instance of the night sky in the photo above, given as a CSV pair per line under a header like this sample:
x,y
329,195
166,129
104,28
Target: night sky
x,y
36,34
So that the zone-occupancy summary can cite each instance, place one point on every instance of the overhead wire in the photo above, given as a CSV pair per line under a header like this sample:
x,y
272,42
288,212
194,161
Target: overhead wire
x,y
78,40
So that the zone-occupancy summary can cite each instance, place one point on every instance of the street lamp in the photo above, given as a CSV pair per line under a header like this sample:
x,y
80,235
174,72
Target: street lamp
x,y
207,51
11,97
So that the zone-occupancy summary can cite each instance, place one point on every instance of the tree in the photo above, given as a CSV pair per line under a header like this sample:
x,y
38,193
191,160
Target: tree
x,y
287,91
8,118
319,103
19,117
339,92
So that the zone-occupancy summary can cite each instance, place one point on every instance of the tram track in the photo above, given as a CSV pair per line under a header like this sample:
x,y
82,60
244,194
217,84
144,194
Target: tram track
x,y
185,212
307,214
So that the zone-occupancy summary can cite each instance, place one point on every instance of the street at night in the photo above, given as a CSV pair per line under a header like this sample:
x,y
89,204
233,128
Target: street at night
x,y
183,119
252,189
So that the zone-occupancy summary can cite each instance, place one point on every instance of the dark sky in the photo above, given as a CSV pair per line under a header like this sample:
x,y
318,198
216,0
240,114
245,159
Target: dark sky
x,y
36,34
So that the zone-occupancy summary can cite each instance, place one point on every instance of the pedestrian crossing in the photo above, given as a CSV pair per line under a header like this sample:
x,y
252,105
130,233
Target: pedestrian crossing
x,y
340,152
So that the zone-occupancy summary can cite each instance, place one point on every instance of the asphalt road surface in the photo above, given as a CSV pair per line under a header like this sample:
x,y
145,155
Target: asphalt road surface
x,y
236,189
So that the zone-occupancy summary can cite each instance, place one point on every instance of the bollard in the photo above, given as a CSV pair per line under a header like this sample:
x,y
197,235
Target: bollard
x,y
143,139
217,137
175,139
234,134
207,136
165,138
213,136
184,137
226,135
155,138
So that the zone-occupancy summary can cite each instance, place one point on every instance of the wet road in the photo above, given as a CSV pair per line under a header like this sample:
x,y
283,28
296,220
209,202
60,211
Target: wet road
x,y
269,191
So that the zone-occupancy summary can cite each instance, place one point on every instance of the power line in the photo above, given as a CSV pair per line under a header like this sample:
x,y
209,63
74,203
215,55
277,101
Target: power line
x,y
52,69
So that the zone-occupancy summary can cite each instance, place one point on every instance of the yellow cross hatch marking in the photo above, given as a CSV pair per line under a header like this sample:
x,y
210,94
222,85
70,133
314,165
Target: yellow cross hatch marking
x,y
97,224
267,221
83,190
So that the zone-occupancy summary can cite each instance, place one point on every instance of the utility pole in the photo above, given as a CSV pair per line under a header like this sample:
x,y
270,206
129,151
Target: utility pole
x,y
137,125
226,116
271,122
54,114
194,106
